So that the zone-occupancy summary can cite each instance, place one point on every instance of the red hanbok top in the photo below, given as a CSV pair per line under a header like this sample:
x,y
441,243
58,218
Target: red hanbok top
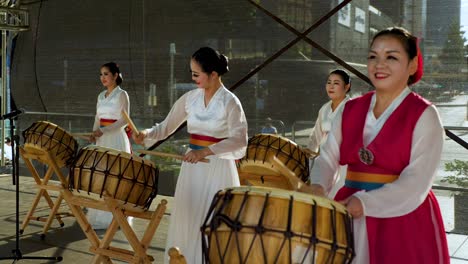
x,y
417,237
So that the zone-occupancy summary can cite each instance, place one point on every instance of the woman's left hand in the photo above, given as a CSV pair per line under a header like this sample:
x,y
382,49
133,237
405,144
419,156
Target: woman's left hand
x,y
354,206
195,156
97,133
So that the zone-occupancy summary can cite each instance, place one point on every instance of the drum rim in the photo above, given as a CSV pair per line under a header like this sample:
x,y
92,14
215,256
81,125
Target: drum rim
x,y
285,194
118,152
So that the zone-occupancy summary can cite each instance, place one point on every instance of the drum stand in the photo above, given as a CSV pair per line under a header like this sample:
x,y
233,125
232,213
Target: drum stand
x,y
16,253
104,252
31,153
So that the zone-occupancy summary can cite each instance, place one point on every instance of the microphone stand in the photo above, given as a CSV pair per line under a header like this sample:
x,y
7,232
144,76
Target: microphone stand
x,y
16,252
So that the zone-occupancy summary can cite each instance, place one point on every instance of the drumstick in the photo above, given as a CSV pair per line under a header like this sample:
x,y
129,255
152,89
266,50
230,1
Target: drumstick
x,y
295,182
130,122
163,154
82,135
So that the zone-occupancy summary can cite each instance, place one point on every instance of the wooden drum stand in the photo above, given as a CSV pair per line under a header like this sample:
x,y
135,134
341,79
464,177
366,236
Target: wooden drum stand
x,y
104,252
31,153
120,183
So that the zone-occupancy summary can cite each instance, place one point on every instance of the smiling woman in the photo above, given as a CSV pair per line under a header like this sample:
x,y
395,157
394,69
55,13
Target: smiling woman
x,y
391,140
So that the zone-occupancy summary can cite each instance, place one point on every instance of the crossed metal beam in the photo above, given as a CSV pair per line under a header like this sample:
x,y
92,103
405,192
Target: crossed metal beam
x,y
300,36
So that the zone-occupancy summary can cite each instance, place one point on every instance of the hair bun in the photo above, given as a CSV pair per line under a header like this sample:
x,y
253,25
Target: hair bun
x,y
223,64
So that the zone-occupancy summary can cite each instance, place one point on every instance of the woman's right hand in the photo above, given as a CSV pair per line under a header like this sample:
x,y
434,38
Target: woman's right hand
x,y
92,139
140,137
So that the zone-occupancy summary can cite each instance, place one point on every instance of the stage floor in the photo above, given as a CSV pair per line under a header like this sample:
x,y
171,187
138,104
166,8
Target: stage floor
x,y
70,242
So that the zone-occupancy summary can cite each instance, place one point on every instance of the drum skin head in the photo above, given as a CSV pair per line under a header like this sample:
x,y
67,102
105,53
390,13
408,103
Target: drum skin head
x,y
261,150
43,136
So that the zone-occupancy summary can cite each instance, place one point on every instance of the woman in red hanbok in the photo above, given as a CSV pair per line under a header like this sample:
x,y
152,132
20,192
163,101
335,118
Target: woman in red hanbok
x,y
391,139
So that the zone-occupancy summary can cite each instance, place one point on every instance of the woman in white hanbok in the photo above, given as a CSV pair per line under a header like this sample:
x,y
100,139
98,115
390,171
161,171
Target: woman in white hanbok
x,y
338,86
218,131
109,127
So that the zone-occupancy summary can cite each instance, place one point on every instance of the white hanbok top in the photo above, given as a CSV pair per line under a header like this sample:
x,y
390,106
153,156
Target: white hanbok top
x,y
325,117
403,195
223,117
111,107
8,153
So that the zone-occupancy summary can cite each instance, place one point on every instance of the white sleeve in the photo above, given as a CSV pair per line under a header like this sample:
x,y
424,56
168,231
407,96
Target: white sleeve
x,y
235,145
96,123
173,120
124,104
96,119
408,192
315,137
326,165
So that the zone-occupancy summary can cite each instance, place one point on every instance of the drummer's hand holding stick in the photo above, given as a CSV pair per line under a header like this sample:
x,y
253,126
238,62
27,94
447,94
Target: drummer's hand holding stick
x,y
96,133
135,132
140,137
195,156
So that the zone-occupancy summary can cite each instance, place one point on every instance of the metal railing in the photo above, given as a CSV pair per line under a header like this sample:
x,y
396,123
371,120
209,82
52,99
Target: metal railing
x,y
300,122
455,105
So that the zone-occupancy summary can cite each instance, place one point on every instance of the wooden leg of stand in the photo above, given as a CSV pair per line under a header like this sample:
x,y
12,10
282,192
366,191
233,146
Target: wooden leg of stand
x,y
175,257
32,209
140,252
154,223
41,192
85,226
106,240
81,218
51,205
53,214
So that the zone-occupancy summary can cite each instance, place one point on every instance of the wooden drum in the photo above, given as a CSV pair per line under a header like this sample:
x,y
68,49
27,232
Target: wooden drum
x,y
261,150
264,225
99,171
45,136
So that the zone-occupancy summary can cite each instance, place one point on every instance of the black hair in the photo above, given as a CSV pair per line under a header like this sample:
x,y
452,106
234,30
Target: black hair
x,y
114,68
344,75
7,140
211,60
409,42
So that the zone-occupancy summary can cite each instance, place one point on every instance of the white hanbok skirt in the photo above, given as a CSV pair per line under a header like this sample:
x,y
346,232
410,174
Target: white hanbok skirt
x,y
117,140
196,187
